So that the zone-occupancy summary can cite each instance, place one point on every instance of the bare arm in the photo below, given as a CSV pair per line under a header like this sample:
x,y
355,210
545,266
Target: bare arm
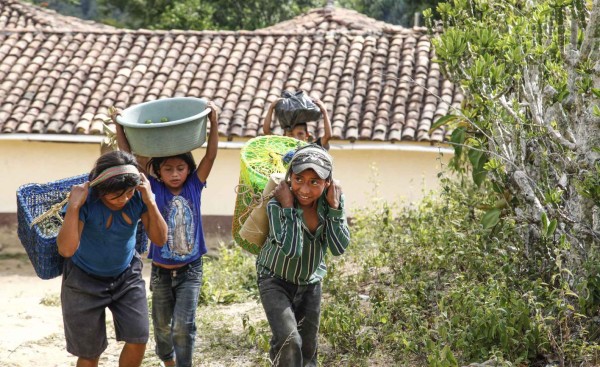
x,y
70,231
269,118
206,164
154,223
123,144
326,123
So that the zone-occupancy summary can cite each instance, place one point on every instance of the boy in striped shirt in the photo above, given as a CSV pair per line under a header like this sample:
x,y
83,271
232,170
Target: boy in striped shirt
x,y
306,218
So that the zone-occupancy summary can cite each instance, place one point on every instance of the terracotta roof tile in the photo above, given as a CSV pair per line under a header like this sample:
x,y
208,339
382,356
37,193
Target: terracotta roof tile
x,y
377,81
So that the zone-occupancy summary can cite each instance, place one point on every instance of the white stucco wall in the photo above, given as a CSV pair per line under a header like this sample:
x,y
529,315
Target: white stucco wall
x,y
391,172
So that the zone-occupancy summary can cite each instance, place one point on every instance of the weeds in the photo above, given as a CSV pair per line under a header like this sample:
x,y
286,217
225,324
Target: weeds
x,y
430,286
51,300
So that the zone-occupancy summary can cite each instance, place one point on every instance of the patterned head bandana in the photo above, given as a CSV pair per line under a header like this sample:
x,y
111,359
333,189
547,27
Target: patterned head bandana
x,y
114,171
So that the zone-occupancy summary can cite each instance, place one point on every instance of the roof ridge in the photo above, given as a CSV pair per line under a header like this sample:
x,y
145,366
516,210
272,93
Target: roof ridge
x,y
259,32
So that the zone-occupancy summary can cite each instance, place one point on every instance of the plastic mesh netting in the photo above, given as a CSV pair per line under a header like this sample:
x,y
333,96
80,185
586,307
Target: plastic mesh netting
x,y
260,157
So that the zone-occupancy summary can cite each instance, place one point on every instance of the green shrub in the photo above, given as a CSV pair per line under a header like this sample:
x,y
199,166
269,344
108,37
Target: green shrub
x,y
430,285
229,278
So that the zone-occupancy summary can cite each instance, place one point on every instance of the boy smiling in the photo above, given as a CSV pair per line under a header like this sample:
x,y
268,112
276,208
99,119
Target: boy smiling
x,y
306,218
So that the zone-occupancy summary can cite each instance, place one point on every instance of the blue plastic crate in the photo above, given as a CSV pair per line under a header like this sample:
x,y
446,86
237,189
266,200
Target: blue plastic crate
x,y
40,240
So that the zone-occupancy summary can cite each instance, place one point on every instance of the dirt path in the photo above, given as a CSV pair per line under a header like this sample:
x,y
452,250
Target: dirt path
x,y
31,319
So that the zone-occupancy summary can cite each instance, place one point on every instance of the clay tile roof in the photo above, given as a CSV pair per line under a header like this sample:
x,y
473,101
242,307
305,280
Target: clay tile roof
x,y
21,15
378,81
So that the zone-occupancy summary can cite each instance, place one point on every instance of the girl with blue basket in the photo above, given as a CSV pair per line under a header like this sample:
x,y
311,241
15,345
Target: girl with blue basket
x,y
177,266
102,268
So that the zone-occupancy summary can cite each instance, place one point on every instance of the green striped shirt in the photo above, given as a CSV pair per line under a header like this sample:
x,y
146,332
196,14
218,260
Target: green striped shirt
x,y
294,254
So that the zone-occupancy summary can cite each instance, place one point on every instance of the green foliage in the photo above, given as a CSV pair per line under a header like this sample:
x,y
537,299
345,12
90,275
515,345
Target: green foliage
x,y
589,185
254,14
519,132
400,12
343,325
231,14
190,14
203,14
258,334
430,285
229,278
67,7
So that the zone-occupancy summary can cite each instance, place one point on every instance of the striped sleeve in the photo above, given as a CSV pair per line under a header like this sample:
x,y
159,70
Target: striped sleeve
x,y
285,228
337,232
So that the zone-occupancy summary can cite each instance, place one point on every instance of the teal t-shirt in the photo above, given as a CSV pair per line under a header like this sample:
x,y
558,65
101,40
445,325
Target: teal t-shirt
x,y
107,251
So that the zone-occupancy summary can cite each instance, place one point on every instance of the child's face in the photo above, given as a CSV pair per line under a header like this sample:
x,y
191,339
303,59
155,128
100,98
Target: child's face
x,y
173,172
299,132
117,200
307,187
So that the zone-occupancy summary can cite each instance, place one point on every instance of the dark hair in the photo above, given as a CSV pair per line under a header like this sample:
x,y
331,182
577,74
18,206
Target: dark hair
x,y
156,162
118,184
303,125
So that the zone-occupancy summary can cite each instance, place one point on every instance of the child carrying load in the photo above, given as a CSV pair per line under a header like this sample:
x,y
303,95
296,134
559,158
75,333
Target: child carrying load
x,y
306,219
300,109
177,266
102,268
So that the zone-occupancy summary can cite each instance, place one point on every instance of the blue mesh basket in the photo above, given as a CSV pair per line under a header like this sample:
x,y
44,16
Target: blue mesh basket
x,y
39,240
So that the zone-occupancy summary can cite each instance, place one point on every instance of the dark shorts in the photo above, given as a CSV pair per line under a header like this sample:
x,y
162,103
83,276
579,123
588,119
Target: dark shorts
x,y
84,299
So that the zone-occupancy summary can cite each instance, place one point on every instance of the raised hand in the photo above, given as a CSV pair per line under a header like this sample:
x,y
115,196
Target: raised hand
x,y
319,104
334,193
78,195
214,112
145,189
283,194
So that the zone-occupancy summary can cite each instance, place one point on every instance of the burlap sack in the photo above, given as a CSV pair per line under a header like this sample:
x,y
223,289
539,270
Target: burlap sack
x,y
256,228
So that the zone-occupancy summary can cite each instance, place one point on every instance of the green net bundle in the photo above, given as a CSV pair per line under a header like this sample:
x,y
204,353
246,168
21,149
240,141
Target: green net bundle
x,y
260,157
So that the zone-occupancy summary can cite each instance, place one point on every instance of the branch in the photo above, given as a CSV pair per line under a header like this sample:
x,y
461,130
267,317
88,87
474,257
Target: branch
x,y
555,135
533,94
521,179
590,47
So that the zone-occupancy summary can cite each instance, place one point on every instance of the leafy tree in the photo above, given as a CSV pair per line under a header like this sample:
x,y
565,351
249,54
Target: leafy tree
x,y
530,128
66,7
401,12
190,14
254,14
206,14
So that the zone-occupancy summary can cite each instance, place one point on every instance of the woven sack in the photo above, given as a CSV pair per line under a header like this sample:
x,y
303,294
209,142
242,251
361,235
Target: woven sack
x,y
39,240
256,227
260,157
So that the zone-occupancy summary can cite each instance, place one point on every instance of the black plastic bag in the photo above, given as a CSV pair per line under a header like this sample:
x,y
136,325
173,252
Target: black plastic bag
x,y
296,108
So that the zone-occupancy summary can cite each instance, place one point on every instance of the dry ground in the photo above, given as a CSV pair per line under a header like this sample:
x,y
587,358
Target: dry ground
x,y
32,330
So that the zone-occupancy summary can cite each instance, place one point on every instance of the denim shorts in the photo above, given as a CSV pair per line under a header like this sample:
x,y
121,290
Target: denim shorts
x,y
84,299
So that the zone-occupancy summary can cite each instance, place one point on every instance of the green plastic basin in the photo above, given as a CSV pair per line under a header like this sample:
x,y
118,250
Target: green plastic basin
x,y
183,131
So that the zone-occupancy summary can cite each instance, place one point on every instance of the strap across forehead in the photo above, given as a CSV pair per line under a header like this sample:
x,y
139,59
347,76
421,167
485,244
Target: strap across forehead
x,y
114,171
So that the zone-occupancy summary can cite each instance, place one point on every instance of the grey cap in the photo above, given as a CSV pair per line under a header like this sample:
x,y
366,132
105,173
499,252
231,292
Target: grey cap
x,y
313,157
